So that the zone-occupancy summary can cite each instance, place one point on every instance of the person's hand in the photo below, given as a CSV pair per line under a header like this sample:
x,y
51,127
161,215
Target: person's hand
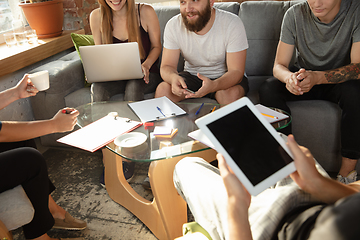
x,y
308,80
205,88
25,88
306,174
292,83
64,122
237,193
178,86
146,71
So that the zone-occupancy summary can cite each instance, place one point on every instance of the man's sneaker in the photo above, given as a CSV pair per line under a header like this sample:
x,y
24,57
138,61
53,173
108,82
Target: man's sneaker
x,y
128,168
146,183
351,177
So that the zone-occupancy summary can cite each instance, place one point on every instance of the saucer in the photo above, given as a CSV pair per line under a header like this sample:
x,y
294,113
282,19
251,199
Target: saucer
x,y
130,140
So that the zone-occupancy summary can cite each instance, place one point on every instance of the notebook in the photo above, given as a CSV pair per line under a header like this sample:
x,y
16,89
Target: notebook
x,y
99,133
111,62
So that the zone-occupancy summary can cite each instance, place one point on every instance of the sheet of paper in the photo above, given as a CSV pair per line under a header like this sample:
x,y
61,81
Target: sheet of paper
x,y
201,137
99,133
167,152
270,115
156,109
162,130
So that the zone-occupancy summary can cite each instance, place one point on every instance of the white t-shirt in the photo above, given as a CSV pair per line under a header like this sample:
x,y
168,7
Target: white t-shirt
x,y
206,54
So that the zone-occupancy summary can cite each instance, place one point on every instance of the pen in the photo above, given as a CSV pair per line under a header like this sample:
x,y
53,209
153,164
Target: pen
x,y
197,112
266,115
160,111
213,109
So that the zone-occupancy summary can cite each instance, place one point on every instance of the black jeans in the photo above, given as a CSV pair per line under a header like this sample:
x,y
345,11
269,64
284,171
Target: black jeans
x,y
273,93
27,167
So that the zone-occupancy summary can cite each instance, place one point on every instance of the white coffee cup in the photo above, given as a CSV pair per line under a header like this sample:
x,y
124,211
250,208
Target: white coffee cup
x,y
40,80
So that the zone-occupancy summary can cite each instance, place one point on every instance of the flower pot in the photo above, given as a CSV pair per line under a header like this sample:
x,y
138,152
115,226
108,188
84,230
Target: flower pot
x,y
45,17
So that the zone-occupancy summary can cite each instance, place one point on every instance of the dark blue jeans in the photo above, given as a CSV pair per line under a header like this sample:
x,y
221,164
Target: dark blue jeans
x,y
273,93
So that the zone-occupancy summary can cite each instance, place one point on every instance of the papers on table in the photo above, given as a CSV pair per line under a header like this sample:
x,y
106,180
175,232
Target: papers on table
x,y
171,151
99,133
201,137
270,115
162,130
156,109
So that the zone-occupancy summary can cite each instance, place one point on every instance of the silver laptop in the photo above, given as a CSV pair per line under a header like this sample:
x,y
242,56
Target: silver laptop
x,y
111,62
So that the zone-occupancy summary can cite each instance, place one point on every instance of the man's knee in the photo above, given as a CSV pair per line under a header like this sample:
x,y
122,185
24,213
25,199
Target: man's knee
x,y
230,95
186,164
163,89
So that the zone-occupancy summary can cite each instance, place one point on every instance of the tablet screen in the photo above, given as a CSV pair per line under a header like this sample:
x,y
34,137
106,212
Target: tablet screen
x,y
249,144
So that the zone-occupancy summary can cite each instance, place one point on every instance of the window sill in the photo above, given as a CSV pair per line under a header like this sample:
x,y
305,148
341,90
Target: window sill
x,y
15,58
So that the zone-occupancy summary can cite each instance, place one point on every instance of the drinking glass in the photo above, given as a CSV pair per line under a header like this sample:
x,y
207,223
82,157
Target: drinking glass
x,y
10,39
31,36
19,32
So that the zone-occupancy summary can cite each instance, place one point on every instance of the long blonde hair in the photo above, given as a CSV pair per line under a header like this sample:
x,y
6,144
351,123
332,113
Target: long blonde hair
x,y
132,24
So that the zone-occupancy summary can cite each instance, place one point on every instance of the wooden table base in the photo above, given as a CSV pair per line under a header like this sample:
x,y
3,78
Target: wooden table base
x,y
166,214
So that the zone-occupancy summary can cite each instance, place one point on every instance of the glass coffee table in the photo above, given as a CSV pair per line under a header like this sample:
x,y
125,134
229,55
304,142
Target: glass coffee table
x,y
166,214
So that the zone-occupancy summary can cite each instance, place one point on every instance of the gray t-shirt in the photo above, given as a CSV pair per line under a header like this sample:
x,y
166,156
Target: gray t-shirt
x,y
206,54
321,46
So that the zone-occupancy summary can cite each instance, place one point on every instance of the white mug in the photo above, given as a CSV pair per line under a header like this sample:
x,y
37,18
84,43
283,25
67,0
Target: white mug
x,y
40,80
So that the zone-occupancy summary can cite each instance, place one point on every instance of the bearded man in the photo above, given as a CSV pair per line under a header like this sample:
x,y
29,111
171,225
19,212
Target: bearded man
x,y
213,43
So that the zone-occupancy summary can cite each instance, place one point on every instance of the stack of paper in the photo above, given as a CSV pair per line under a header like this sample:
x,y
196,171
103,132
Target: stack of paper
x,y
164,132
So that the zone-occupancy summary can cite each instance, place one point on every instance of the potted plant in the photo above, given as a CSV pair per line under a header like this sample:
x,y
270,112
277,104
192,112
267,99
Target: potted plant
x,y
45,16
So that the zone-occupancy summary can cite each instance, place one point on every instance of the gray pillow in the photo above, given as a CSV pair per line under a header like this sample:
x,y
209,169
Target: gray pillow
x,y
16,209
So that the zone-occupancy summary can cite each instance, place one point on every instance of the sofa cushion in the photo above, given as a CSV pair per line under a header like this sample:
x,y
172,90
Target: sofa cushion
x,y
316,125
16,209
262,21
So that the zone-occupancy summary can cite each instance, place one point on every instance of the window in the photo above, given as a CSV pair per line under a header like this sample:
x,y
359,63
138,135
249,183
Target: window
x,y
9,11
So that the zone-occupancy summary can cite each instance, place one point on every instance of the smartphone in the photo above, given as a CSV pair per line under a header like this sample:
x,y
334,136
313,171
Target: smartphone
x,y
190,91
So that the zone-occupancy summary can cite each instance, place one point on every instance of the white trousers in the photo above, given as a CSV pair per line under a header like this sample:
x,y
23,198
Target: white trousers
x,y
201,186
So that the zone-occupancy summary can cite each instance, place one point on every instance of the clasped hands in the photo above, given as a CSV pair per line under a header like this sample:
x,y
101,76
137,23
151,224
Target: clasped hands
x,y
301,82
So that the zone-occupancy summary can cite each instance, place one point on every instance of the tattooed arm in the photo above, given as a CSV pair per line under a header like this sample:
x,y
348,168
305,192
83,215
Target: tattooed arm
x,y
342,74
348,72
339,75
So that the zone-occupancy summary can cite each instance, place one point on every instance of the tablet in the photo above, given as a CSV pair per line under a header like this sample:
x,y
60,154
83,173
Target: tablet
x,y
253,149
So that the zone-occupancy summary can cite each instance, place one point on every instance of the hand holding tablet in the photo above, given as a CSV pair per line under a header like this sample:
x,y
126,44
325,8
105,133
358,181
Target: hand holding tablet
x,y
252,148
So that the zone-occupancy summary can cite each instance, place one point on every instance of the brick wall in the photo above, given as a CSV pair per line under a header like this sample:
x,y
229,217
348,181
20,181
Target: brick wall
x,y
76,14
